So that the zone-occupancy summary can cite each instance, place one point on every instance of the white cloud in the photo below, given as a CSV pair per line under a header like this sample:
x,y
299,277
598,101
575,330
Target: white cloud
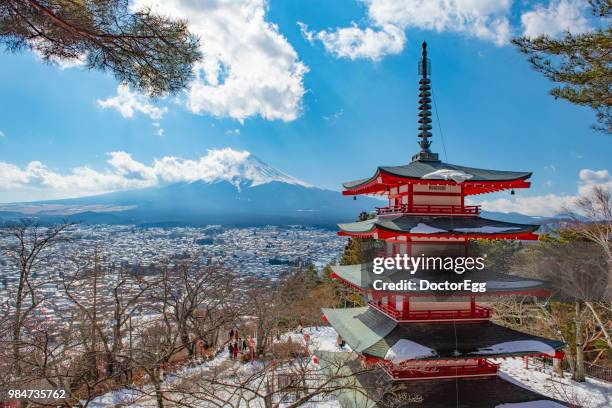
x,y
67,63
160,130
61,63
2,135
354,42
388,20
37,181
333,118
232,132
551,204
127,102
560,16
248,67
590,178
545,205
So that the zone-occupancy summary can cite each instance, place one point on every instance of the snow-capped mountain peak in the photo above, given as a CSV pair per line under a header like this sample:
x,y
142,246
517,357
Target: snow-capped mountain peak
x,y
255,172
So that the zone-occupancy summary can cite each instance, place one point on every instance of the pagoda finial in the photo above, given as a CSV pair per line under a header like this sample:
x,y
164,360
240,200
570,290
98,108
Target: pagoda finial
x,y
424,109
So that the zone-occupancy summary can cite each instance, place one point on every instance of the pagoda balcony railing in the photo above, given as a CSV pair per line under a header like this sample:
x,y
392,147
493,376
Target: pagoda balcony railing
x,y
477,313
429,209
482,368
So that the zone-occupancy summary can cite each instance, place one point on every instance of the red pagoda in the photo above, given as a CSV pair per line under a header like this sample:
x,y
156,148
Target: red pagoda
x,y
437,344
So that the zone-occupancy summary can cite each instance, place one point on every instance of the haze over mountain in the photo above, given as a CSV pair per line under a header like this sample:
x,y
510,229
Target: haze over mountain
x,y
253,193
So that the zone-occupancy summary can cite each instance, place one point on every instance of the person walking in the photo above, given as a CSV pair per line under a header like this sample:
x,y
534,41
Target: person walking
x,y
245,345
231,350
235,351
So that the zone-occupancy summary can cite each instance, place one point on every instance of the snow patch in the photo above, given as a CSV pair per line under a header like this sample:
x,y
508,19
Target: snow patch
x,y
507,285
592,393
421,228
487,229
457,176
408,350
533,404
510,347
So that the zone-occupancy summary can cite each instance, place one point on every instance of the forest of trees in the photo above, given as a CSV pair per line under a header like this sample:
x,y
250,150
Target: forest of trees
x,y
124,330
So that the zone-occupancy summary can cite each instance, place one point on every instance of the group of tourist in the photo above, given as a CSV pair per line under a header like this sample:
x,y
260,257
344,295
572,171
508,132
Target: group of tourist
x,y
237,344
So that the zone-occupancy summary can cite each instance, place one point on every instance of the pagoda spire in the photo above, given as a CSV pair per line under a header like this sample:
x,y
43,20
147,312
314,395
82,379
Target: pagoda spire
x,y
424,110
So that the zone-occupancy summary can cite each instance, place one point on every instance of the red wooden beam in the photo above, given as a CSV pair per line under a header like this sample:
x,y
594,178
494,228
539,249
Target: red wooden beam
x,y
388,234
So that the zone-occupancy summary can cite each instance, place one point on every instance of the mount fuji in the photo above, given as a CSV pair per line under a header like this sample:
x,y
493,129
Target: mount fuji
x,y
243,192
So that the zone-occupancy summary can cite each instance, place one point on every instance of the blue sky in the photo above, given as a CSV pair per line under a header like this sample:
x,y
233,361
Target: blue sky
x,y
325,101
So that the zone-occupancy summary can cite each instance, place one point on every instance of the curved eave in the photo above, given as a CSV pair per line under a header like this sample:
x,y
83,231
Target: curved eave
x,y
379,232
537,292
382,180
374,359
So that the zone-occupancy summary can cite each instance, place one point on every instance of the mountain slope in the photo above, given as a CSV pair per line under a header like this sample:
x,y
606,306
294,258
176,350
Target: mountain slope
x,y
219,202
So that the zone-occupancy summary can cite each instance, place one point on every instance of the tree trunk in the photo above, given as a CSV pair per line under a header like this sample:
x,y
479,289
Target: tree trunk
x,y
269,393
261,338
186,341
159,396
16,335
579,372
17,343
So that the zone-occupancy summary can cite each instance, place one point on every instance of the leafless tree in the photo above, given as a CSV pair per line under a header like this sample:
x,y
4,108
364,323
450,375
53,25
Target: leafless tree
x,y
577,272
597,207
28,244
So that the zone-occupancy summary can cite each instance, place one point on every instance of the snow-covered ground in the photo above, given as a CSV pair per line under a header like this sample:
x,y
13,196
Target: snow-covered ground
x,y
590,394
320,338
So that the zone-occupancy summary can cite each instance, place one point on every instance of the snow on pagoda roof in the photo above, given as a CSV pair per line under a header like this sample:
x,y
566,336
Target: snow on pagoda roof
x,y
469,227
372,386
362,277
432,170
373,334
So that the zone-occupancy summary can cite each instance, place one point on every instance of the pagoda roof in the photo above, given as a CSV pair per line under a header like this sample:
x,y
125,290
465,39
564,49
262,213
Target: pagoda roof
x,y
419,171
445,226
373,334
362,277
365,388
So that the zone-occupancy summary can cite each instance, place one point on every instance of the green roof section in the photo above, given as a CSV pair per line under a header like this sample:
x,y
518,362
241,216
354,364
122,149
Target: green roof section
x,y
443,226
418,169
346,370
361,275
370,332
360,327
